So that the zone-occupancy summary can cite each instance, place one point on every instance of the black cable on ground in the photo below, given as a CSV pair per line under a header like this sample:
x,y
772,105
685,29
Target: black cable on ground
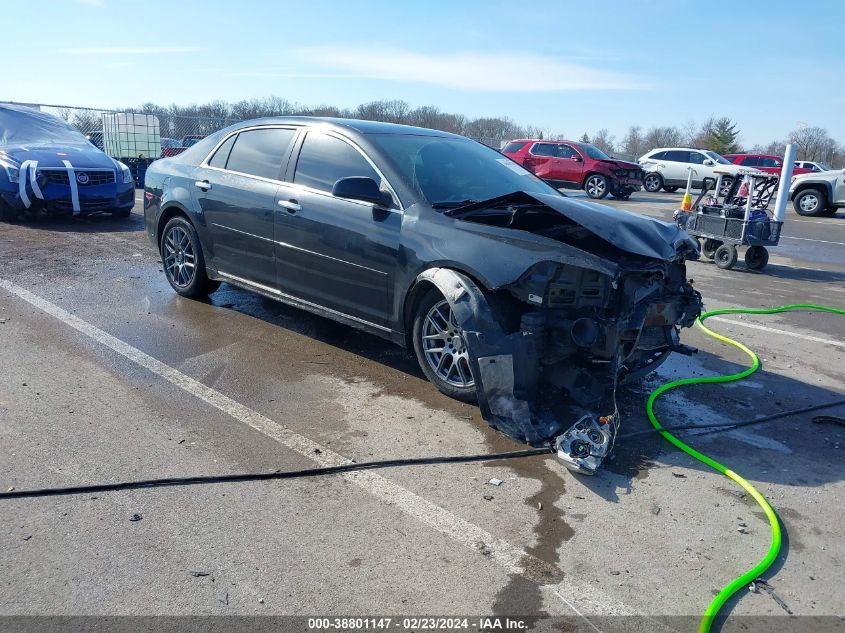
x,y
728,426
293,474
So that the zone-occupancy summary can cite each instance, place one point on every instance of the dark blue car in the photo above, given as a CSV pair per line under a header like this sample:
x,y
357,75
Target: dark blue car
x,y
47,166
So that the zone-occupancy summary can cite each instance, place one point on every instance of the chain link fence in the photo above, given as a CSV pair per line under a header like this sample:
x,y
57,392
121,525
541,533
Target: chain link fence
x,y
164,134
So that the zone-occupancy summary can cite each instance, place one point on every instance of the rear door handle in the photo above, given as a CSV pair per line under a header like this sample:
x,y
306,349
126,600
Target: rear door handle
x,y
202,184
291,205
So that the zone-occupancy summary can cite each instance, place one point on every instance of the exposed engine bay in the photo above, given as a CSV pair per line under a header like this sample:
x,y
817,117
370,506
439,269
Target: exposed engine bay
x,y
549,351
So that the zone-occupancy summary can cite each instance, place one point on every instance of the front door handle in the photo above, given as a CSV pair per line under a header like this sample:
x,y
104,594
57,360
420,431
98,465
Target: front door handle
x,y
202,184
291,205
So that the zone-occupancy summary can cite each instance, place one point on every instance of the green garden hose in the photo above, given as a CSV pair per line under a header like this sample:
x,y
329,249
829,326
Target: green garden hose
x,y
755,572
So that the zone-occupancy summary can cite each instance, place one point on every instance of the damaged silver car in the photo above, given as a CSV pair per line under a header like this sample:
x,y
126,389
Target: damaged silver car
x,y
535,305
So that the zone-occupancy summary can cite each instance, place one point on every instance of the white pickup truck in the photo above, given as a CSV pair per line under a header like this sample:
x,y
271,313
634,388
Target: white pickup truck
x,y
820,193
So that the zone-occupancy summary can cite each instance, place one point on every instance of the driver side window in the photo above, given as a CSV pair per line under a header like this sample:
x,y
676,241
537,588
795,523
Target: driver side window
x,y
564,151
323,160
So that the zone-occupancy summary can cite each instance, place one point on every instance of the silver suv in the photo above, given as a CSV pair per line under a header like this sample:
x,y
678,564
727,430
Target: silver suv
x,y
820,193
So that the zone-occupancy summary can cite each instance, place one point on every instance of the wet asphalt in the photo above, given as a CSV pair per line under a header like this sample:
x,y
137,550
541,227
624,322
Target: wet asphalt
x,y
653,533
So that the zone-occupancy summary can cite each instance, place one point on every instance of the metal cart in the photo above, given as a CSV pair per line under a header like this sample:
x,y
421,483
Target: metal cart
x,y
739,219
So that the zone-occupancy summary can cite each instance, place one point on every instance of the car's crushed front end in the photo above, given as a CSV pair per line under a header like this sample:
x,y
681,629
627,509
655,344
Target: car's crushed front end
x,y
549,350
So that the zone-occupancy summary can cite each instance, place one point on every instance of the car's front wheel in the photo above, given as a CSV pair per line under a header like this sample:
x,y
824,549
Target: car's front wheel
x,y
596,186
652,182
440,348
810,202
184,264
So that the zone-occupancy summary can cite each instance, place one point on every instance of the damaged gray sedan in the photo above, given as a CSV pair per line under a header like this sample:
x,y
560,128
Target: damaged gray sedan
x,y
533,304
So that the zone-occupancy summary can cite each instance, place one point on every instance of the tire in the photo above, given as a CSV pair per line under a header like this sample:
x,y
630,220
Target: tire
x,y
652,182
180,246
727,183
596,186
670,189
810,203
121,213
454,379
756,257
7,212
709,247
725,256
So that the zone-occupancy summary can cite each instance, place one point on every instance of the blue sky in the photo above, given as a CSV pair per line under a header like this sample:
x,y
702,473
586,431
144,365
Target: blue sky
x,y
570,67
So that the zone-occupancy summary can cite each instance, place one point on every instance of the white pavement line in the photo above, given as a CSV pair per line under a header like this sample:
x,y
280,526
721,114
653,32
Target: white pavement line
x,y
509,557
754,326
807,239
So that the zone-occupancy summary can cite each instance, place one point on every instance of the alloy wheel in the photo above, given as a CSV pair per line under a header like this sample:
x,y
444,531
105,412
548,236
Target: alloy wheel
x,y
651,183
809,203
179,256
596,186
444,347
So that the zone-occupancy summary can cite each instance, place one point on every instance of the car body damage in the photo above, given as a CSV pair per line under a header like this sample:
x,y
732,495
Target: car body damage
x,y
548,350
529,302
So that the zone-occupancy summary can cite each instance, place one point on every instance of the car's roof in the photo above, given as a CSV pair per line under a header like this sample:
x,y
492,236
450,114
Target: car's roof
x,y
358,125
685,149
546,140
751,155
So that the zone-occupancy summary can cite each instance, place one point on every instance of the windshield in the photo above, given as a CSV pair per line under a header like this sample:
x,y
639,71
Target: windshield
x,y
718,158
454,171
593,152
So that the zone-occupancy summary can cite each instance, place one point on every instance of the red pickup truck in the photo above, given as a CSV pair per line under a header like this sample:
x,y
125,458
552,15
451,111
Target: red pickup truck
x,y
764,162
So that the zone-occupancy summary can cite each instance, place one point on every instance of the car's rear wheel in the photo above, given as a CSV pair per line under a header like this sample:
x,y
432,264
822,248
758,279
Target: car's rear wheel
x,y
810,202
596,186
670,188
440,348
184,264
652,182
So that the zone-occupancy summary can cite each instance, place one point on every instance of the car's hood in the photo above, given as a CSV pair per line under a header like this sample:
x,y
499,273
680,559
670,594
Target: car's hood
x,y
621,164
629,232
79,156
830,173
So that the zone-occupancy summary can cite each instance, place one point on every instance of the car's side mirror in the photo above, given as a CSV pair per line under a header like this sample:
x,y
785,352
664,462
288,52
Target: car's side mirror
x,y
709,162
361,188
576,158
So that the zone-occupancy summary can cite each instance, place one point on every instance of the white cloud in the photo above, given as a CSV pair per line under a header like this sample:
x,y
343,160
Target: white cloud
x,y
130,50
471,70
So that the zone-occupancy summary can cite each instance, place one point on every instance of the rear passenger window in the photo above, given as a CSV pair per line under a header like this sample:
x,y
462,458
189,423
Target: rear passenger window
x,y
697,158
325,159
677,156
544,149
658,156
222,154
261,152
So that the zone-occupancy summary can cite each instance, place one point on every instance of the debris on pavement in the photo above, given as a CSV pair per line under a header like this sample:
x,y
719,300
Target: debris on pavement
x,y
199,574
488,497
760,584
679,475
136,517
496,482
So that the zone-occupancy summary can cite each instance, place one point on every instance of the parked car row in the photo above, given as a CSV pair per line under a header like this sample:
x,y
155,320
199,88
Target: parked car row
x,y
816,189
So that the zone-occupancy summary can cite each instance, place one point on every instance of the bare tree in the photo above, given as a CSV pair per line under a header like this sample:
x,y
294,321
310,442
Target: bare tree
x,y
604,141
634,144
813,143
669,136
